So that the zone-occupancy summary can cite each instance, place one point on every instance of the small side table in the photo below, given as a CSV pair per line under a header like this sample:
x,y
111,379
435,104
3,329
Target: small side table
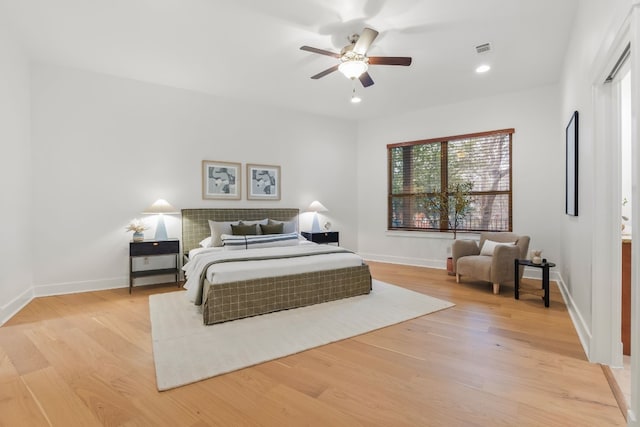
x,y
322,237
151,248
545,278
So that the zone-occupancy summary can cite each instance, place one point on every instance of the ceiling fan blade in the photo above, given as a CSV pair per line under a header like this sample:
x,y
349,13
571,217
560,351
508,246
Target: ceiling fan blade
x,y
320,51
365,79
364,42
325,72
390,60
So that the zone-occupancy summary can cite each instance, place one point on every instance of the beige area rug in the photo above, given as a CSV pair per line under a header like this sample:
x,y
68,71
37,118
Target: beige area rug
x,y
186,351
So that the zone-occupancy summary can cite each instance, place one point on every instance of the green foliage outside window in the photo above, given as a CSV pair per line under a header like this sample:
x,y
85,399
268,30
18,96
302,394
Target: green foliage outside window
x,y
474,169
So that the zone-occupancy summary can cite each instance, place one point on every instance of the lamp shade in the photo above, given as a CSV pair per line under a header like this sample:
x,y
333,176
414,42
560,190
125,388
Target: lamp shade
x,y
316,206
160,206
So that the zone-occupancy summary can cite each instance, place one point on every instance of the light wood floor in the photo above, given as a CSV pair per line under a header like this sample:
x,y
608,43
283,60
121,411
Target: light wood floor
x,y
86,360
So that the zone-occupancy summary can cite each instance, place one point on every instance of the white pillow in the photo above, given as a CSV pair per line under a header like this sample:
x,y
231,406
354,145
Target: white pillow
x,y
489,246
206,243
231,242
218,228
287,226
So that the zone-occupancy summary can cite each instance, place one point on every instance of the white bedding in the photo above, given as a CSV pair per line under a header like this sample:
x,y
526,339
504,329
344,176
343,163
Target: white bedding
x,y
247,270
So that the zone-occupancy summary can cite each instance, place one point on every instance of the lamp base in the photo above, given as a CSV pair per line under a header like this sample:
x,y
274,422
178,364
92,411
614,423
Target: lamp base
x,y
315,226
161,229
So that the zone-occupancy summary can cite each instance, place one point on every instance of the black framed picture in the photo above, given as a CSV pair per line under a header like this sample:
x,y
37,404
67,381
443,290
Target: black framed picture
x,y
571,198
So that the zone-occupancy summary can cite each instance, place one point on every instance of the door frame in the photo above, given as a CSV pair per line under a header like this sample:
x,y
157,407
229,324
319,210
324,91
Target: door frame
x,y
605,345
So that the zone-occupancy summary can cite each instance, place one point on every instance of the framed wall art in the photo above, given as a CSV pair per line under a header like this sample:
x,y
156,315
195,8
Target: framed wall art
x,y
571,190
263,182
221,180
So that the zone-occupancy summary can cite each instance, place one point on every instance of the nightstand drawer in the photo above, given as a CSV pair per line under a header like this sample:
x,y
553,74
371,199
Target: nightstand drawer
x,y
153,247
322,237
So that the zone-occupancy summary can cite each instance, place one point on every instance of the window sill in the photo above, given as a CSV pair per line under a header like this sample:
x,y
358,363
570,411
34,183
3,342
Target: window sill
x,y
431,235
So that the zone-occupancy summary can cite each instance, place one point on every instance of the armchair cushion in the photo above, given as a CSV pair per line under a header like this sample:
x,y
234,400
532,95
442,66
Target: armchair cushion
x,y
462,248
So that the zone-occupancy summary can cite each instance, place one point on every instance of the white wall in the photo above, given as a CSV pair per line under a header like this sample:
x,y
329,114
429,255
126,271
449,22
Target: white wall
x,y
15,178
105,148
538,171
595,26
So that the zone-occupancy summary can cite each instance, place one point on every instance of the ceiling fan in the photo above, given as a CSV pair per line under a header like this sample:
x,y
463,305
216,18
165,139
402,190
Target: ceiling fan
x,y
354,61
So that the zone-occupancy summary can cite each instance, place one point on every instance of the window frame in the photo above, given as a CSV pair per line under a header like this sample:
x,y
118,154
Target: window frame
x,y
443,142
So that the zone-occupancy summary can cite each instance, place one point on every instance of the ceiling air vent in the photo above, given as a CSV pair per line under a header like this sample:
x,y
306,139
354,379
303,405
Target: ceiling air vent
x,y
483,48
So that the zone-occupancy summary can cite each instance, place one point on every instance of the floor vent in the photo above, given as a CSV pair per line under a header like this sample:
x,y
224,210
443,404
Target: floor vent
x,y
483,48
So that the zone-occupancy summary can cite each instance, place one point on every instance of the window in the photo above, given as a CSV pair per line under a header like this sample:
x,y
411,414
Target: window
x,y
423,176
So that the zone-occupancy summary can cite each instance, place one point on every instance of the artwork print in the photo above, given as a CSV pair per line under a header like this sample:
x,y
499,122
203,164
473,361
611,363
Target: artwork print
x,y
263,182
221,180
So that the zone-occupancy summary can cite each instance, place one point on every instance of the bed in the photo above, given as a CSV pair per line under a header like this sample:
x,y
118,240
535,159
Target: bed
x,y
232,284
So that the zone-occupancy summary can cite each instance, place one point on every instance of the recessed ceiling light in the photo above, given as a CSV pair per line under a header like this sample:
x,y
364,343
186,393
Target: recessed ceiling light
x,y
483,69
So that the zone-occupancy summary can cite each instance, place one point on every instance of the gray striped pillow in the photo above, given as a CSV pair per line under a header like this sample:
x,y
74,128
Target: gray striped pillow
x,y
231,242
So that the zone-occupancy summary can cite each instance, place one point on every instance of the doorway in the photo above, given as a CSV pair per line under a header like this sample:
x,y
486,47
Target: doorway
x,y
622,90
617,60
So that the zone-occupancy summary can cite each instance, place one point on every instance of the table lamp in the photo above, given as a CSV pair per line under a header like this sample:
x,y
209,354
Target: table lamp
x,y
160,207
316,207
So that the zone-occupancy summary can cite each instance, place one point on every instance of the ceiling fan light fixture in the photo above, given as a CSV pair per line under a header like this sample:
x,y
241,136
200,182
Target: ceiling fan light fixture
x,y
353,69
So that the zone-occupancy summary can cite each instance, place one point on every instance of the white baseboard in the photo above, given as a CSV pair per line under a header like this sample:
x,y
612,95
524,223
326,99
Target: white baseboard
x,y
9,310
13,307
582,329
76,287
529,273
417,262
536,273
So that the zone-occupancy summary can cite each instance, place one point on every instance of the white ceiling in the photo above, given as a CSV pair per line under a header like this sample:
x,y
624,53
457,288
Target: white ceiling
x,y
249,49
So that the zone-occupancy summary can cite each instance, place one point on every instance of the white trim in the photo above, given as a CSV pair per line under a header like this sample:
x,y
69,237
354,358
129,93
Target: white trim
x,y
606,265
529,273
581,327
634,407
77,287
441,235
536,273
14,306
10,309
604,347
416,262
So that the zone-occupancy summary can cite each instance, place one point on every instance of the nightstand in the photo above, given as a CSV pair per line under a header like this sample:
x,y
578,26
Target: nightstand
x,y
322,236
154,248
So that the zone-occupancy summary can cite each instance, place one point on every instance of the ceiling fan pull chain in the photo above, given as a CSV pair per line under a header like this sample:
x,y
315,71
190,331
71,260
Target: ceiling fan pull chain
x,y
355,98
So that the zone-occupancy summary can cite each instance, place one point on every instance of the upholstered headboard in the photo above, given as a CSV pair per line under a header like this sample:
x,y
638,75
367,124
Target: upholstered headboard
x,y
195,222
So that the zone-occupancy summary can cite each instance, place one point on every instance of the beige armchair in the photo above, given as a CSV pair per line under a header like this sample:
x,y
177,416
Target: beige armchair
x,y
496,268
